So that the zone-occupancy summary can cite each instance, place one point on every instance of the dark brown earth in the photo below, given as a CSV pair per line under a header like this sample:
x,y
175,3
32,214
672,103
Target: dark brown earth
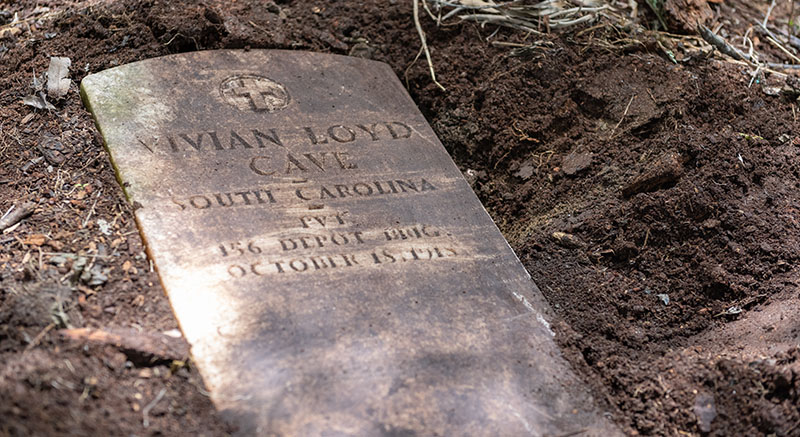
x,y
655,204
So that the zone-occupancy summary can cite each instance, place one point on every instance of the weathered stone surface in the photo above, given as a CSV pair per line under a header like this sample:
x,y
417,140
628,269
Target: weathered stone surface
x,y
331,268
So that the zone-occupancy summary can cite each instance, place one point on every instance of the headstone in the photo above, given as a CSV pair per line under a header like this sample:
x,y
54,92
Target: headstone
x,y
332,270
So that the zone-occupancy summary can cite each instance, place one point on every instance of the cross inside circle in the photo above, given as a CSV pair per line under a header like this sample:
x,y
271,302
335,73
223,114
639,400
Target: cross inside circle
x,y
262,94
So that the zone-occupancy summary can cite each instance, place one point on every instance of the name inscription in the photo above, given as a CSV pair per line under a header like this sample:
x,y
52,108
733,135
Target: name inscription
x,y
298,253
260,138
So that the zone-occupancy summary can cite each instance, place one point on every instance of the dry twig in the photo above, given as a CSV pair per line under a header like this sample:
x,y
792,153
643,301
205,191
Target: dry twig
x,y
148,407
721,45
528,17
425,44
15,214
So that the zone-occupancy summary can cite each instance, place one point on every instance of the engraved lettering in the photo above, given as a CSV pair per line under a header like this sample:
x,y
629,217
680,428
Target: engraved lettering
x,y
406,131
285,244
321,241
183,207
371,130
254,268
339,239
198,145
322,221
235,138
215,140
380,188
244,195
343,190
325,192
341,134
382,257
362,189
291,160
220,200
298,265
231,199
412,232
173,145
257,164
260,136
426,186
349,260
406,184
202,205
257,193
320,163
314,138
237,271
340,158
318,262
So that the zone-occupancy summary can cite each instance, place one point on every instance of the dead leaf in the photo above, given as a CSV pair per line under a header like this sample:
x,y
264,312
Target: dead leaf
x,y
38,101
51,148
57,245
9,31
35,239
58,81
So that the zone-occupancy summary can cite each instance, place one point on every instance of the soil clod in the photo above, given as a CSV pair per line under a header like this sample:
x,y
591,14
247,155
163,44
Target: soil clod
x,y
666,169
576,162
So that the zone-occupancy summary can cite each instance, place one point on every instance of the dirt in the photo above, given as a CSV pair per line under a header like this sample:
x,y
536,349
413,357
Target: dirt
x,y
654,203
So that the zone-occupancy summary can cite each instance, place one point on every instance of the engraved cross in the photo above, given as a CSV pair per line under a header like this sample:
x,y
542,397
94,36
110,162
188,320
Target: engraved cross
x,y
250,88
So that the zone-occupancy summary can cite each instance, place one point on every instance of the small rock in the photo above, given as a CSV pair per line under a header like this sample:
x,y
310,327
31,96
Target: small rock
x,y
97,276
525,172
664,170
664,298
104,226
473,176
732,311
705,411
576,162
567,240
51,147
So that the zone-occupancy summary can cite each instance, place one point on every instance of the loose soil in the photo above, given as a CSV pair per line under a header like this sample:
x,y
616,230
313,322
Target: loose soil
x,y
656,205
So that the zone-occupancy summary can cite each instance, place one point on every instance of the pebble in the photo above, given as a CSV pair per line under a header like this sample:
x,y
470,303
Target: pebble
x,y
705,411
576,162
